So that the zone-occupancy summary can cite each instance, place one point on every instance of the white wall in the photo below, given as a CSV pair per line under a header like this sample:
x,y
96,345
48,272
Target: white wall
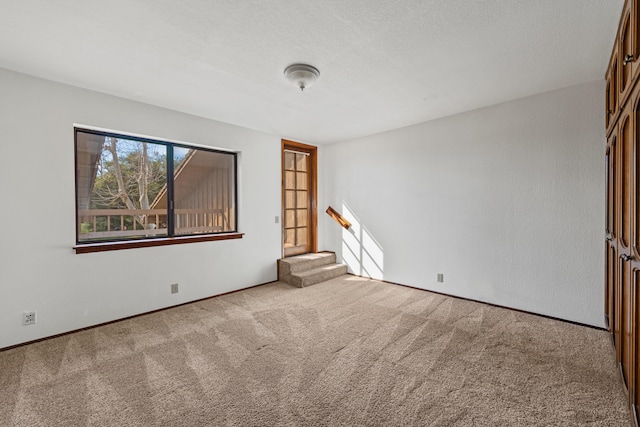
x,y
39,269
506,201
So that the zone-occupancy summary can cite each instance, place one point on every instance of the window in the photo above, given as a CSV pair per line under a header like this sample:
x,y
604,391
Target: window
x,y
133,189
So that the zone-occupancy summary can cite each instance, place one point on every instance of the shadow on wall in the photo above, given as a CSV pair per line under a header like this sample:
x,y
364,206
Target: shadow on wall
x,y
360,250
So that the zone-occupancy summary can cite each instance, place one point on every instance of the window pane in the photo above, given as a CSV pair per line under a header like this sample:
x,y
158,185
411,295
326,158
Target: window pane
x,y
301,215
301,181
204,198
301,162
289,199
289,159
290,180
290,238
301,200
301,234
289,218
118,181
123,191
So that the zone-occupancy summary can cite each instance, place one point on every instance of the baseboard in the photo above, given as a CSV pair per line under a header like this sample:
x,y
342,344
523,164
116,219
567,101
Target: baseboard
x,y
487,303
129,317
266,283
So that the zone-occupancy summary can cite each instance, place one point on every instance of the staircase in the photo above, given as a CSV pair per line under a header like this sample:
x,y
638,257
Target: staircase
x,y
309,269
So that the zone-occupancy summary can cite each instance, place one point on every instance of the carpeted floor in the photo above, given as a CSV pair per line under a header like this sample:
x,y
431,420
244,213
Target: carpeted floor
x,y
350,352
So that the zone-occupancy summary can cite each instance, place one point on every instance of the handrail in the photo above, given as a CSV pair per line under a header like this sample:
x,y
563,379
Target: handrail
x,y
338,218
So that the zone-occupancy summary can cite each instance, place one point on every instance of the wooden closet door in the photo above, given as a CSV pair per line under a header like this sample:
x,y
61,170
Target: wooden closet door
x,y
622,265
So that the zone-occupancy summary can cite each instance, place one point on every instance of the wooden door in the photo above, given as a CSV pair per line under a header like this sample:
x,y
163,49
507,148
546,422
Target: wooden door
x,y
298,198
622,276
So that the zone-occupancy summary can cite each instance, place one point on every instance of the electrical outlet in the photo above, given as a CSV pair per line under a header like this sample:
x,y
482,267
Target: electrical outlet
x,y
174,288
277,219
440,277
29,318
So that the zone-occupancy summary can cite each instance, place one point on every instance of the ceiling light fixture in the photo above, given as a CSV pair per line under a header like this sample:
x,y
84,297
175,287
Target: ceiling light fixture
x,y
302,75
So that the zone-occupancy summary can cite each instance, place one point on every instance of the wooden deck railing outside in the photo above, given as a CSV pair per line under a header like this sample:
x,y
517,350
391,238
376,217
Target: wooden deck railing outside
x,y
149,222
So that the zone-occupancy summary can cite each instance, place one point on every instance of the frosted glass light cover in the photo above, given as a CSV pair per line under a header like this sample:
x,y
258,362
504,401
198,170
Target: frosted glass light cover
x,y
302,75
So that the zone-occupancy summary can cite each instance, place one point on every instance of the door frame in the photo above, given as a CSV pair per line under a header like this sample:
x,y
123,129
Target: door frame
x,y
313,191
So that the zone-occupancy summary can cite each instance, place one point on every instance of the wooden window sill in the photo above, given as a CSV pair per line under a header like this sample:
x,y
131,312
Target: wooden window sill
x,y
86,248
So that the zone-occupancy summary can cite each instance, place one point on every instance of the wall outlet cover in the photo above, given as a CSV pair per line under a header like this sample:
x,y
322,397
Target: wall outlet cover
x,y
29,318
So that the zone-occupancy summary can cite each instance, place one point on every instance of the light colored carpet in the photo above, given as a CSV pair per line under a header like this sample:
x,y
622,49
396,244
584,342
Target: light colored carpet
x,y
348,352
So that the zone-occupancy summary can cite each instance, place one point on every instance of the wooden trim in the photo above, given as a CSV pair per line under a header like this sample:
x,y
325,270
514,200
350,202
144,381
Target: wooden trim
x,y
484,302
148,243
299,146
267,283
282,195
313,189
130,317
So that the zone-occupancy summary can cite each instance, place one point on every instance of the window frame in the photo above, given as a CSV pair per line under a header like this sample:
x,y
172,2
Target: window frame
x,y
171,238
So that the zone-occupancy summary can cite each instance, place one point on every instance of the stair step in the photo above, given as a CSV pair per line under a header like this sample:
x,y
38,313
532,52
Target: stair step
x,y
309,269
308,261
317,275
300,263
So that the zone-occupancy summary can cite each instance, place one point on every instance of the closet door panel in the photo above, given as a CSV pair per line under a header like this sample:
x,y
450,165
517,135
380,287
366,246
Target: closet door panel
x,y
613,193
625,342
626,54
612,108
610,279
634,350
624,204
635,33
625,165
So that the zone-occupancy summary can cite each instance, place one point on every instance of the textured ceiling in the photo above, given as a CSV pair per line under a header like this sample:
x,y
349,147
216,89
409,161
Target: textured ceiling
x,y
383,63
